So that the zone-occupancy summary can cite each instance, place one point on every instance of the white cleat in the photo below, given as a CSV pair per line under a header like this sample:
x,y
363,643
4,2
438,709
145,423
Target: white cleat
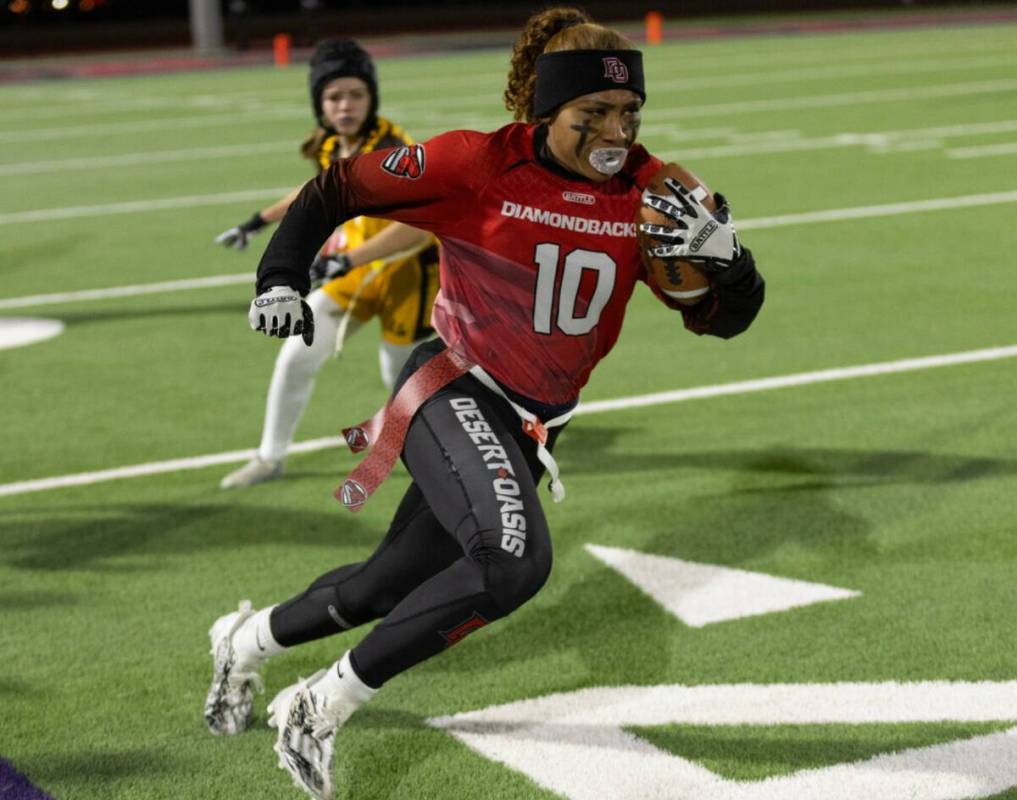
x,y
307,721
257,470
228,707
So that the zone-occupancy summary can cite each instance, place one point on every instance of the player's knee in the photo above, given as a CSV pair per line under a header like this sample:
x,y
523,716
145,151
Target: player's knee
x,y
513,571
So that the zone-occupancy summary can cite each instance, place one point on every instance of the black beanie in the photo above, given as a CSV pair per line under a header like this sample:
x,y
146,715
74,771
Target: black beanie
x,y
342,58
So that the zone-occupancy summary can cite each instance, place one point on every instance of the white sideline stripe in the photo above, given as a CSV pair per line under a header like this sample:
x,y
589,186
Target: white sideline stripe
x,y
133,206
103,101
128,291
880,141
152,157
802,58
839,99
595,407
807,102
827,215
799,379
406,86
777,141
234,119
247,100
815,73
458,119
980,151
157,468
890,209
830,215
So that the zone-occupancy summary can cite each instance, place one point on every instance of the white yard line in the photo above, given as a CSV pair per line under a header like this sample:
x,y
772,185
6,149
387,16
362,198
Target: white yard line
x,y
739,144
128,291
798,75
797,61
890,209
145,158
839,99
456,120
423,123
828,215
799,379
133,206
235,119
595,407
981,151
157,468
876,141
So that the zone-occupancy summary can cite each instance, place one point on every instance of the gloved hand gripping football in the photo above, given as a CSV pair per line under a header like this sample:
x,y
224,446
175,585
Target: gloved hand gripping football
x,y
706,239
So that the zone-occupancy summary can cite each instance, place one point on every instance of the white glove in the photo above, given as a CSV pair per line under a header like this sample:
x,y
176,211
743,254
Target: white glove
x,y
282,312
704,238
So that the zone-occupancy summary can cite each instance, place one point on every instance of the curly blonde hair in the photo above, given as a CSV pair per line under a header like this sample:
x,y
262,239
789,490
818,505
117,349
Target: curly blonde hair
x,y
548,31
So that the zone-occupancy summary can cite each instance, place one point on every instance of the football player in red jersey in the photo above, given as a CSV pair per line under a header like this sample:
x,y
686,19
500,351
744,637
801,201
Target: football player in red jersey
x,y
539,259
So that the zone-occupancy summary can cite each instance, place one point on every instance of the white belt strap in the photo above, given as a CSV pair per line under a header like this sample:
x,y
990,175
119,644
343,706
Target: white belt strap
x,y
534,428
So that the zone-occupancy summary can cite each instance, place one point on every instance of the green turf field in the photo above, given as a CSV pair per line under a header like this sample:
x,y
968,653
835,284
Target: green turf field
x,y
899,486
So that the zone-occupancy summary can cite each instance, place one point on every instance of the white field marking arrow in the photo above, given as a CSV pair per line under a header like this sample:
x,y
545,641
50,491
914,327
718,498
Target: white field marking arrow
x,y
575,744
20,331
700,594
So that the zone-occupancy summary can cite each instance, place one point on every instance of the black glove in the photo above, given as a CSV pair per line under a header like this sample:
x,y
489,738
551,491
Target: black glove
x,y
325,268
237,237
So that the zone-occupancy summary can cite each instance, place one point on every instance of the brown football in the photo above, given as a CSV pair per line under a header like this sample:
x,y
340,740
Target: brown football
x,y
679,280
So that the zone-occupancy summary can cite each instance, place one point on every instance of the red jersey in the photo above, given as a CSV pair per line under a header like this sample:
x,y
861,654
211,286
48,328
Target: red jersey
x,y
536,268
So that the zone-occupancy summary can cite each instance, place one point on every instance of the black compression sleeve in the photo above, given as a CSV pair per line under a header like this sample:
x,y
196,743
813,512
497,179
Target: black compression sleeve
x,y
321,205
732,307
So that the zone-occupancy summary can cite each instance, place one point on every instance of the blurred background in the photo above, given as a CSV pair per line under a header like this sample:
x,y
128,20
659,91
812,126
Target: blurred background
x,y
222,27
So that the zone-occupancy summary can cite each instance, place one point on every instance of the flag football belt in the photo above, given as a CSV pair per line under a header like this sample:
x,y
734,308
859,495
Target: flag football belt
x,y
385,432
534,428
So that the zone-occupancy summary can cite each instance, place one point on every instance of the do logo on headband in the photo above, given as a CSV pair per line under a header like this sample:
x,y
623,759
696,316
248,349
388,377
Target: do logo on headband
x,y
615,69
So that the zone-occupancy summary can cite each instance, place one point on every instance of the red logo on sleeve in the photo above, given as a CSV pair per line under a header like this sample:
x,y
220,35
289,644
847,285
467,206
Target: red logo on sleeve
x,y
406,162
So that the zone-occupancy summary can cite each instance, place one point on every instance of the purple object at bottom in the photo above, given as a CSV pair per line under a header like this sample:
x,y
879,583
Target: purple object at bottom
x,y
15,786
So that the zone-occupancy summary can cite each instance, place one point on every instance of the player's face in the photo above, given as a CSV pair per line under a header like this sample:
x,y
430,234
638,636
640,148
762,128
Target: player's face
x,y
590,134
345,104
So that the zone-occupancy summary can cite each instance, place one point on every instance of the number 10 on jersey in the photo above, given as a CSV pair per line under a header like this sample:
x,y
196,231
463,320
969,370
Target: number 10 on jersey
x,y
547,258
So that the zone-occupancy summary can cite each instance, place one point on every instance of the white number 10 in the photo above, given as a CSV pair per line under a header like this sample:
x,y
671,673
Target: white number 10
x,y
546,258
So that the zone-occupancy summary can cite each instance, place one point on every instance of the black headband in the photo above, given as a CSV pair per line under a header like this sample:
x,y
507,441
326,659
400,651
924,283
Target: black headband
x,y
567,74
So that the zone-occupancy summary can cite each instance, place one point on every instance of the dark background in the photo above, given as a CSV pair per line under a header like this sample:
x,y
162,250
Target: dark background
x,y
34,27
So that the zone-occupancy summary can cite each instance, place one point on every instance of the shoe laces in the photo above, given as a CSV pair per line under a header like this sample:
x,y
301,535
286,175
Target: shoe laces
x,y
325,714
252,677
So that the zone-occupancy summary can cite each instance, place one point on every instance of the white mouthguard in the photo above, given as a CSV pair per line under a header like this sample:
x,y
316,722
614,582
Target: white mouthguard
x,y
608,160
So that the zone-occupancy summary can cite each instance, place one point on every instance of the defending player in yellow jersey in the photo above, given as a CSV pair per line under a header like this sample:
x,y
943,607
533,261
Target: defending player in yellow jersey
x,y
369,268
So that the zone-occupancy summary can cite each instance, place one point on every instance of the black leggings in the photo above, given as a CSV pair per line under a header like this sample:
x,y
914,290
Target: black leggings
x,y
468,544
